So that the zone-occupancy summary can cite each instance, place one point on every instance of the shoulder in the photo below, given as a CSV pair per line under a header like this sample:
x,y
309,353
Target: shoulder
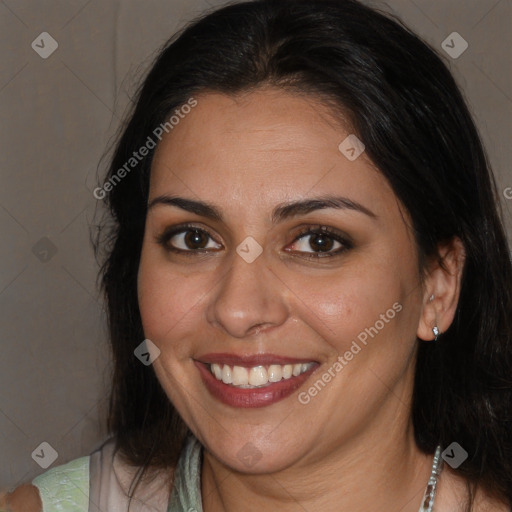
x,y
64,487
24,498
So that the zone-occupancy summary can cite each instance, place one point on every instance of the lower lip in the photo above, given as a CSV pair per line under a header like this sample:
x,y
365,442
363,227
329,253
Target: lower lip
x,y
251,397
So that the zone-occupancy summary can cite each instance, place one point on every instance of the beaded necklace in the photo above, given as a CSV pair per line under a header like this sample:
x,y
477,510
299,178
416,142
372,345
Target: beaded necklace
x,y
427,504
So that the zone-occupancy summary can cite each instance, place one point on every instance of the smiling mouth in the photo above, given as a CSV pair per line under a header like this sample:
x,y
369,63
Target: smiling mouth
x,y
257,376
253,380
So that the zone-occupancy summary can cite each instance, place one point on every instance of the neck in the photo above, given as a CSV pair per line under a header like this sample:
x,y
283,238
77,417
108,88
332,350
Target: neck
x,y
380,470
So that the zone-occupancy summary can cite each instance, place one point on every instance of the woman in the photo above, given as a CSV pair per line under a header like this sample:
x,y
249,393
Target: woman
x,y
308,281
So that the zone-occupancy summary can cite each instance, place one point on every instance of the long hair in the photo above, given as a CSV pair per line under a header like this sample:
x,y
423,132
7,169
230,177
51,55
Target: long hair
x,y
403,103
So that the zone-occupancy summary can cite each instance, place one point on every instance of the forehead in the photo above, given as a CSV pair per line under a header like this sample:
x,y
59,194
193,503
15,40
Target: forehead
x,y
267,146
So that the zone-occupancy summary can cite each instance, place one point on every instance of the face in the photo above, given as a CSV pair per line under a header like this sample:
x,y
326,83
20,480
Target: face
x,y
287,333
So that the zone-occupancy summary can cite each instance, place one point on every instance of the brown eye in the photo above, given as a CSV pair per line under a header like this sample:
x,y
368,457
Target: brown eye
x,y
321,240
195,239
186,240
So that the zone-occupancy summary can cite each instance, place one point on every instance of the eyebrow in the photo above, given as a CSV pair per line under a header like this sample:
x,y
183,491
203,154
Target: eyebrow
x,y
281,212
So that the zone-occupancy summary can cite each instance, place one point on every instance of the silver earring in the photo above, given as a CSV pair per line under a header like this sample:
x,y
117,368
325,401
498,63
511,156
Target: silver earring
x,y
435,330
431,298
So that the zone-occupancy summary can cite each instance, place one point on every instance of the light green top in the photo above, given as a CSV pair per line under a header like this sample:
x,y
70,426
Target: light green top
x,y
186,494
65,488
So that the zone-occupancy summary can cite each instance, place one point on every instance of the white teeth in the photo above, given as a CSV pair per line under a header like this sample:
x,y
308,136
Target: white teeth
x,y
240,376
217,371
275,373
257,376
227,378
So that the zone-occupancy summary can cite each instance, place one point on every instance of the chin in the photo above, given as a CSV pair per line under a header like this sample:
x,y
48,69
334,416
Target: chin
x,y
252,452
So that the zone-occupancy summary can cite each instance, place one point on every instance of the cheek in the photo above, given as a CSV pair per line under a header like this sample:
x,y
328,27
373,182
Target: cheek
x,y
167,301
368,318
340,307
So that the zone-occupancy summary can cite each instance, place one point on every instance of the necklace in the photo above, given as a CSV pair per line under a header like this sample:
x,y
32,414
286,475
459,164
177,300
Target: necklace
x,y
186,494
427,504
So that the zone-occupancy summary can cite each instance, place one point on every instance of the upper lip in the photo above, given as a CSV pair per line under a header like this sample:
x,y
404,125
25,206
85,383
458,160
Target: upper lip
x,y
250,360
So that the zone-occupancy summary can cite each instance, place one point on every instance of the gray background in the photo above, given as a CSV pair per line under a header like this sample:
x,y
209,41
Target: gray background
x,y
58,115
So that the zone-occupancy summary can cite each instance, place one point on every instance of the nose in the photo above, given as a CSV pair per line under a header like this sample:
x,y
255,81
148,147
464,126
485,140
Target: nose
x,y
249,299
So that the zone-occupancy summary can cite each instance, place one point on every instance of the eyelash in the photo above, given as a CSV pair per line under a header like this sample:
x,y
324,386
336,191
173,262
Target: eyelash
x,y
164,238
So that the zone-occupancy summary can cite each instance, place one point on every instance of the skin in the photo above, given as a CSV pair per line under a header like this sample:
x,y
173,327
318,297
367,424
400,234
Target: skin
x,y
351,447
24,498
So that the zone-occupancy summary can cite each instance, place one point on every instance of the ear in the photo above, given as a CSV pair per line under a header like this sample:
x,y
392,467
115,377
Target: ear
x,y
442,289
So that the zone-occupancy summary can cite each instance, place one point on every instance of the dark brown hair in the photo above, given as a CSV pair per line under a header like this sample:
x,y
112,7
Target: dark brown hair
x,y
405,106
